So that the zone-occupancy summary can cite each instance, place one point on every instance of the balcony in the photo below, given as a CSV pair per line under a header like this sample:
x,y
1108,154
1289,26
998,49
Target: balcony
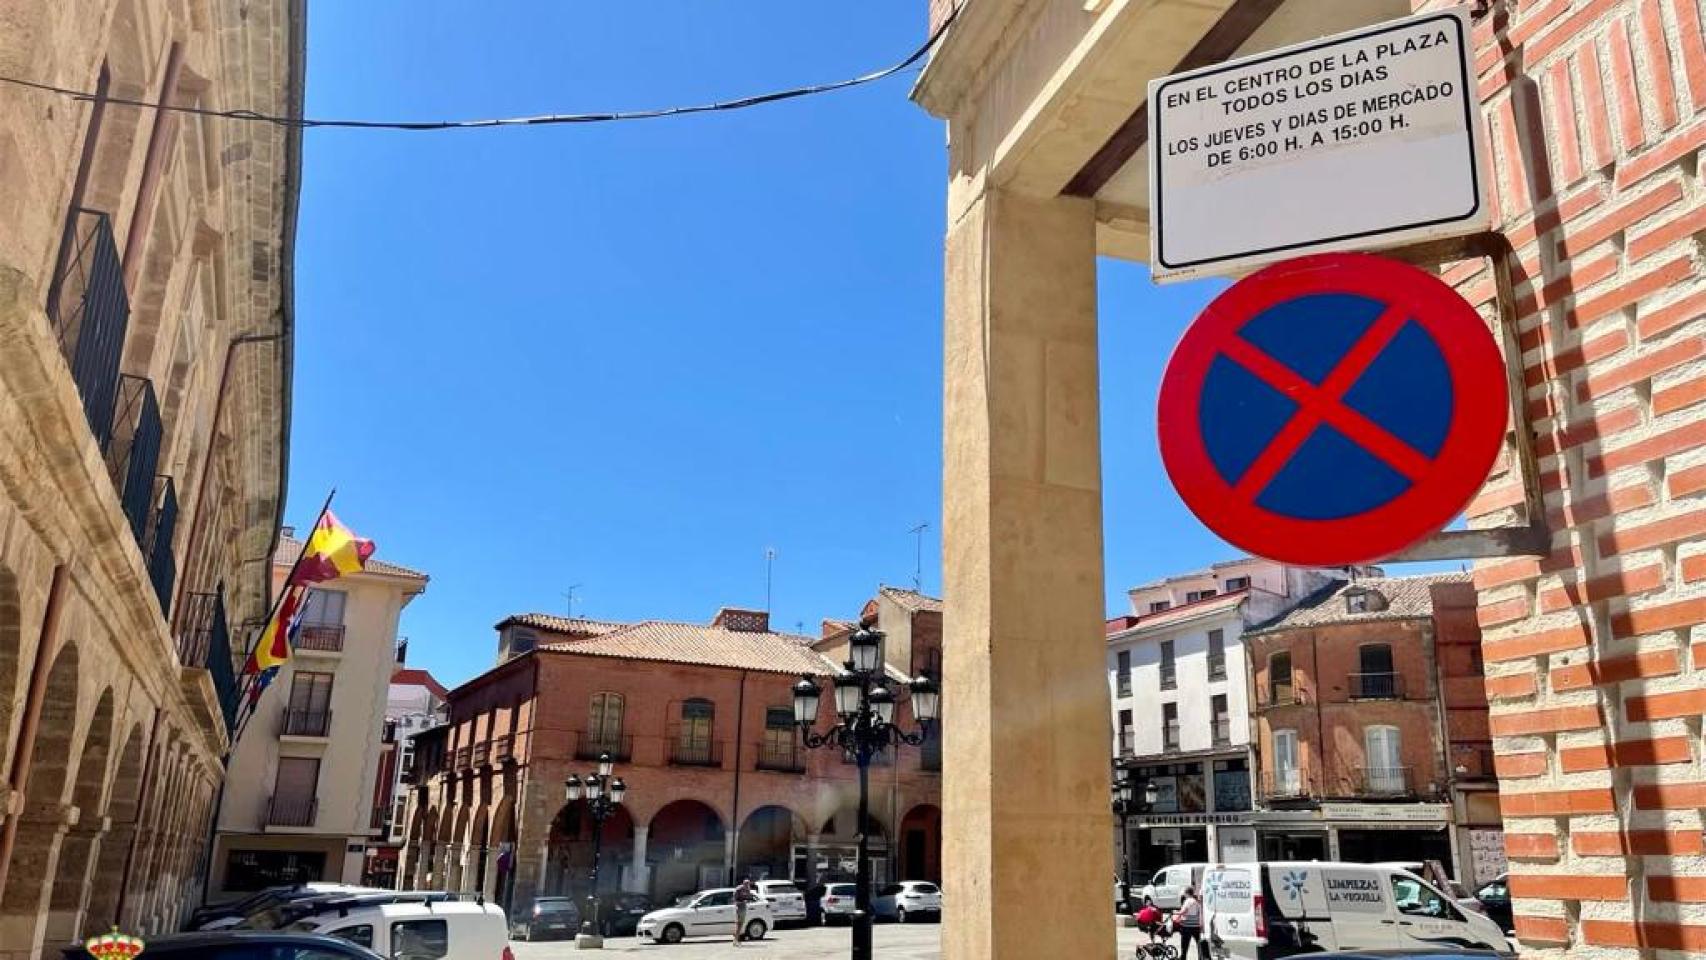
x,y
1128,742
1217,667
1473,762
482,754
1223,731
162,565
205,643
1280,696
782,758
320,637
1170,737
134,451
620,748
463,756
695,753
1377,686
1169,677
306,723
291,811
1289,784
1381,781
503,748
90,313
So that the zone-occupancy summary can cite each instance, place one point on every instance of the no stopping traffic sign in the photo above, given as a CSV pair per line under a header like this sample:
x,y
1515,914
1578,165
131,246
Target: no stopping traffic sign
x,y
1332,409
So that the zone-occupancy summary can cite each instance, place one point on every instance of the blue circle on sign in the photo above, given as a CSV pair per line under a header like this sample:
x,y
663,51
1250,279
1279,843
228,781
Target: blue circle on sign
x,y
1346,351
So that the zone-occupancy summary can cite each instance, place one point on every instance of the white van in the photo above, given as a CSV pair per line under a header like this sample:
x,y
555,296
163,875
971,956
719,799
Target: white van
x,y
1258,911
1167,888
456,930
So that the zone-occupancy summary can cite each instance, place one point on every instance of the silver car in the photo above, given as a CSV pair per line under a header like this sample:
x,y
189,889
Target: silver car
x,y
838,903
787,903
908,900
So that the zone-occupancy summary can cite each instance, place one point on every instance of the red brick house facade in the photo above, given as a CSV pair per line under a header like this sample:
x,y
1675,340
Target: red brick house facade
x,y
699,721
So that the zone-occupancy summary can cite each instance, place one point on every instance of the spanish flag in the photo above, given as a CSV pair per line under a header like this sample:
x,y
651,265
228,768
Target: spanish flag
x,y
332,552
274,646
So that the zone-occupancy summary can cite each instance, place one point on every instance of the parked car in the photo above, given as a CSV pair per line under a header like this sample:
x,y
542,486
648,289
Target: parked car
x,y
242,945
288,913
787,903
1260,911
225,915
710,913
838,903
459,929
1167,888
1440,881
621,912
1495,900
908,900
547,918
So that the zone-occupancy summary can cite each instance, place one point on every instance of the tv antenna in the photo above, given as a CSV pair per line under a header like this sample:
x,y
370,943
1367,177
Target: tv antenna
x,y
918,557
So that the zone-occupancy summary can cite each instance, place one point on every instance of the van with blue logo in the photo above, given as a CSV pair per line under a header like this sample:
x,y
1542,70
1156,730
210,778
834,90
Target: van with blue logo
x,y
1259,911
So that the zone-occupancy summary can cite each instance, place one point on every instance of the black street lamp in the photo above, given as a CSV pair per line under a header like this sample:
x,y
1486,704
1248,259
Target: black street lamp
x,y
864,710
603,796
1126,802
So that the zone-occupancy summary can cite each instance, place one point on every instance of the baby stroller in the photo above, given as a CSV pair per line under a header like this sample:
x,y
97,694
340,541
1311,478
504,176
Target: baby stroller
x,y
1150,922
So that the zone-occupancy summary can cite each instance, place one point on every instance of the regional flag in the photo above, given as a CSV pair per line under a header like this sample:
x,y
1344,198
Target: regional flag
x,y
332,552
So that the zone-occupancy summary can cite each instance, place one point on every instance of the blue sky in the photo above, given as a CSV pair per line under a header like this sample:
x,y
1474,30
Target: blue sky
x,y
633,356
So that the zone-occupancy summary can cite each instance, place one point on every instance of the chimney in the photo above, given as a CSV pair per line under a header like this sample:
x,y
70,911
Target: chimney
x,y
288,531
741,620
831,628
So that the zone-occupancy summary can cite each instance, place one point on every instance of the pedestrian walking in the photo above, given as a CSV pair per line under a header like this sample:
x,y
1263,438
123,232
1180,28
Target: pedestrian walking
x,y
1189,921
743,896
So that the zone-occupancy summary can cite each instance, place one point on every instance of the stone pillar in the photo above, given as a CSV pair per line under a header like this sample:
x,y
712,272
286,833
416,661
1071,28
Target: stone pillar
x,y
29,883
74,880
109,870
1025,780
640,876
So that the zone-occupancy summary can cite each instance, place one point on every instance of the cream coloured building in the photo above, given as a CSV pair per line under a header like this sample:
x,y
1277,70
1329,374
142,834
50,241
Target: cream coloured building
x,y
298,804
145,340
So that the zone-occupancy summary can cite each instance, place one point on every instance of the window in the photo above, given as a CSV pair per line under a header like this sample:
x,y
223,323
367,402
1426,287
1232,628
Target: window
x,y
1170,726
309,712
1384,773
1125,732
1364,600
693,740
323,608
1122,675
1169,668
721,898
420,940
1217,654
1279,679
521,641
1156,606
247,870
1417,899
1287,779
604,724
1376,680
1193,596
361,935
1237,583
1222,719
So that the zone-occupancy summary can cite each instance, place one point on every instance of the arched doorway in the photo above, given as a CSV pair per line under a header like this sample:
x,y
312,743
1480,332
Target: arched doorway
x,y
568,871
121,810
921,844
503,850
457,854
29,877
836,857
71,875
765,846
687,849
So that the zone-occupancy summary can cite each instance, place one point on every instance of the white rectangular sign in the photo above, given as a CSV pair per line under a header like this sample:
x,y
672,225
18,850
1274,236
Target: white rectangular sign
x,y
1365,140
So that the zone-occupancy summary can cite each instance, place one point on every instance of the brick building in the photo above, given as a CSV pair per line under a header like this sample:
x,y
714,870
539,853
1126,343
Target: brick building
x,y
1371,728
145,337
699,721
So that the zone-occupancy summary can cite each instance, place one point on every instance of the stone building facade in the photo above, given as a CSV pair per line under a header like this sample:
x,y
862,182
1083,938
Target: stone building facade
x,y
1370,725
699,722
145,325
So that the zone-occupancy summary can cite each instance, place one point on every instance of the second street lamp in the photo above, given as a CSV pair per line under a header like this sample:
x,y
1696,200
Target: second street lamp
x,y
865,711
1127,801
603,795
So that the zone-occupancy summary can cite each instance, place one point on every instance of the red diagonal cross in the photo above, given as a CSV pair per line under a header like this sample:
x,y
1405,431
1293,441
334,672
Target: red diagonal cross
x,y
1325,403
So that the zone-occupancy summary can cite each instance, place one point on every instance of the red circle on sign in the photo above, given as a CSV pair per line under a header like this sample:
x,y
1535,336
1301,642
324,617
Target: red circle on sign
x,y
1439,486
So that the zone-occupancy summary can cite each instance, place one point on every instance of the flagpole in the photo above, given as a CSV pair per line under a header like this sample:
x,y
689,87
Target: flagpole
x,y
279,601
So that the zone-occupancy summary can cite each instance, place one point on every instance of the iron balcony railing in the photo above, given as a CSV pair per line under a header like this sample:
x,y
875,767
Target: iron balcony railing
x,y
482,753
503,748
90,313
694,752
463,756
205,643
781,757
1222,731
1217,667
162,565
288,811
1122,683
306,723
1170,736
325,637
1169,676
1377,686
1128,742
1289,783
135,451
1382,781
1281,696
620,748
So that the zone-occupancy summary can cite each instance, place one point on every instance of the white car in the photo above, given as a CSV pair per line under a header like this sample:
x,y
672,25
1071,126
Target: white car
x,y
838,903
448,928
787,903
1167,888
270,899
709,913
908,900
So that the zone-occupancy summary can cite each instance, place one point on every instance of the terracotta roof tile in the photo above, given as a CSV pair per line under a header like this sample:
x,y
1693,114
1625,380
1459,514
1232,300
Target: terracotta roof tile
x,y
1178,614
912,601
579,626
1407,598
416,677
289,548
699,644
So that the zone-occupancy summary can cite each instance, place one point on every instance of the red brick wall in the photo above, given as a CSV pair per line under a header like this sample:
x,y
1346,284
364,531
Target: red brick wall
x,y
1593,660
